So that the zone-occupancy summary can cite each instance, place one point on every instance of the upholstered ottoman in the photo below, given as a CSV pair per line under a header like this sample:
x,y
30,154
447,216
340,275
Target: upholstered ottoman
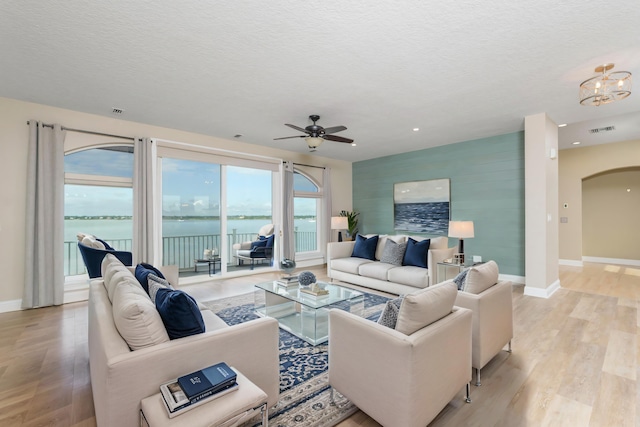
x,y
229,410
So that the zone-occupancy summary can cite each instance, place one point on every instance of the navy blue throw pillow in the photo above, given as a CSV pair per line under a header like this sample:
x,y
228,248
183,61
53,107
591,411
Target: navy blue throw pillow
x,y
270,240
142,271
258,244
365,248
179,313
416,253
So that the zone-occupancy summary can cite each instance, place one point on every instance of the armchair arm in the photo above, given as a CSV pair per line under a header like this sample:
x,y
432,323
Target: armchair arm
x,y
337,250
492,320
369,362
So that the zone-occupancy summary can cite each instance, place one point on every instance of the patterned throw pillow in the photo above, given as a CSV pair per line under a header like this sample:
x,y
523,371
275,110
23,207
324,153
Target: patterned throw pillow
x,y
393,252
156,283
460,278
389,316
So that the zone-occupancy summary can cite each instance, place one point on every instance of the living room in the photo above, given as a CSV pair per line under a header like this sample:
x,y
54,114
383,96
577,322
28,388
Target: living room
x,y
486,165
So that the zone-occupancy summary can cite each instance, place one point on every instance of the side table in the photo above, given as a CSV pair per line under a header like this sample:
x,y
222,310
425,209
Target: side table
x,y
211,262
229,410
449,270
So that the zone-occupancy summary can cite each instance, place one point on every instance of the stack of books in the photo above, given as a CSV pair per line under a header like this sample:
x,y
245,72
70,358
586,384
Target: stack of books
x,y
314,290
288,281
197,388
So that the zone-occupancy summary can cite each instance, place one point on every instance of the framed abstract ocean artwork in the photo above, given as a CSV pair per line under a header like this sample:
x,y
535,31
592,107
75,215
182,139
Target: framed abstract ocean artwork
x,y
422,206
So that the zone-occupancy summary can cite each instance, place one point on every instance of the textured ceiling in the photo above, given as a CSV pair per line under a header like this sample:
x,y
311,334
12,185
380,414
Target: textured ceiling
x,y
456,70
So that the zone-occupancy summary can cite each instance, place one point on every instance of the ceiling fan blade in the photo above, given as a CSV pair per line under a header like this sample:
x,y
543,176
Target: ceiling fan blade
x,y
289,137
337,139
296,128
334,129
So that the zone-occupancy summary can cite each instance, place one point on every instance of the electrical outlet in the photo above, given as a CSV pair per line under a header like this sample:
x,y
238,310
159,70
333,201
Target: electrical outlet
x,y
477,258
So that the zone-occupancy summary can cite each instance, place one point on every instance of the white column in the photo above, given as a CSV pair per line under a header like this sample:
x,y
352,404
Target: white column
x,y
541,205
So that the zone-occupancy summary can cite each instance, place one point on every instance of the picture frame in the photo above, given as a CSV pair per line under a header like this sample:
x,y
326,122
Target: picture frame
x,y
422,206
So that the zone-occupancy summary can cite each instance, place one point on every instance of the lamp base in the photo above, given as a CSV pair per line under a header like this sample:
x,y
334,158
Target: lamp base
x,y
339,236
459,259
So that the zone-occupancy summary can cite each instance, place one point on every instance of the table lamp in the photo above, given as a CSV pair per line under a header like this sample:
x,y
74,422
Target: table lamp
x,y
339,223
461,230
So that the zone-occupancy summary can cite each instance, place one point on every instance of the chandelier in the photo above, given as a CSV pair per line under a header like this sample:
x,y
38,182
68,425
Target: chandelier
x,y
606,87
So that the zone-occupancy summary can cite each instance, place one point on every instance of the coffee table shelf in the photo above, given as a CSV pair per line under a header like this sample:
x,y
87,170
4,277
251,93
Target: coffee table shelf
x,y
305,316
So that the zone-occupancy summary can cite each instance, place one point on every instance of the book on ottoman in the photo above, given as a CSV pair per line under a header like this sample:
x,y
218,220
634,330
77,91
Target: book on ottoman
x,y
207,381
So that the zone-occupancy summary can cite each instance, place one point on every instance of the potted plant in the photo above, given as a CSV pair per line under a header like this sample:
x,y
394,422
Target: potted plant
x,y
352,223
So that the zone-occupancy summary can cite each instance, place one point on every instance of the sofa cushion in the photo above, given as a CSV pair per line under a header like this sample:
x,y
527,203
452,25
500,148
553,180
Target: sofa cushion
x,y
389,316
416,253
393,252
143,270
179,312
481,277
365,248
120,275
423,307
417,277
349,265
375,270
136,317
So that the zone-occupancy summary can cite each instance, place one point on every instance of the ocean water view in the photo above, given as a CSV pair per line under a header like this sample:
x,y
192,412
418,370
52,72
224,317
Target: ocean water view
x,y
432,217
183,240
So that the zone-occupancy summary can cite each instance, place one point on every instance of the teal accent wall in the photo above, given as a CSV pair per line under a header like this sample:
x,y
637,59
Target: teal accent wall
x,y
487,187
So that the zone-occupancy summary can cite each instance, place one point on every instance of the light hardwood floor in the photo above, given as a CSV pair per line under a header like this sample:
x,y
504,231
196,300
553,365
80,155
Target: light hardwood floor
x,y
574,361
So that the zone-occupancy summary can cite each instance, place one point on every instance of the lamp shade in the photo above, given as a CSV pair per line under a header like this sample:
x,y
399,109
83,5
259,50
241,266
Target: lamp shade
x,y
339,223
461,229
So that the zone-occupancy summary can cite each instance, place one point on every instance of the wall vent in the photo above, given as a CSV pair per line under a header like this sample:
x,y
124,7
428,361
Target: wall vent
x,y
116,110
604,129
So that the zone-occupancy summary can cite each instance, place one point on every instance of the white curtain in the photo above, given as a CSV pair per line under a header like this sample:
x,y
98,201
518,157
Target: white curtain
x,y
327,208
44,260
288,243
144,154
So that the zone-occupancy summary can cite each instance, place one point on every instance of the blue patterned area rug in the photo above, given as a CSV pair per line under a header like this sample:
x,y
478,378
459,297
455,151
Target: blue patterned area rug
x,y
304,377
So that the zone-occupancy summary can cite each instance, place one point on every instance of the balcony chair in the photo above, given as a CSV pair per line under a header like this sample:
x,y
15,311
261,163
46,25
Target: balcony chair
x,y
246,247
93,250
260,250
403,377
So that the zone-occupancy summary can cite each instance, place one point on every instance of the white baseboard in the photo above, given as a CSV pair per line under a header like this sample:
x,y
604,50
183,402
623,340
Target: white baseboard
x,y
570,262
11,305
633,262
76,295
542,293
512,278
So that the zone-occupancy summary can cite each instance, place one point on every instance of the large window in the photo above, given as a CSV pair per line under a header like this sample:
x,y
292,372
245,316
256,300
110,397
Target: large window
x,y
98,200
211,204
306,212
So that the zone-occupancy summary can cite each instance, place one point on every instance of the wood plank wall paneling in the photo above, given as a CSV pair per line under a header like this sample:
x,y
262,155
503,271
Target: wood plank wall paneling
x,y
487,186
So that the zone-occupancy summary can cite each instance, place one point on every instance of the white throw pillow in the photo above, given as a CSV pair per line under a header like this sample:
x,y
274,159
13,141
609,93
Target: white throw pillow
x,y
481,277
136,318
91,241
422,308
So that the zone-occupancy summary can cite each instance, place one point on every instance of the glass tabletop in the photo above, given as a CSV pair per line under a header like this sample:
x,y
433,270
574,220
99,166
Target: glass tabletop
x,y
336,294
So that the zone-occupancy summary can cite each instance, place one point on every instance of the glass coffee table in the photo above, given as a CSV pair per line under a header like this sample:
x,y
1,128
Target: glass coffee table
x,y
305,316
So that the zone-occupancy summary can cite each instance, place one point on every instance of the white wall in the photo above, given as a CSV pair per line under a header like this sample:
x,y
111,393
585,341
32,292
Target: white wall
x,y
13,159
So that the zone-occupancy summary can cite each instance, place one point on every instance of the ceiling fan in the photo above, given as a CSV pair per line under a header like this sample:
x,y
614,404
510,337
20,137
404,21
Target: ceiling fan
x,y
316,134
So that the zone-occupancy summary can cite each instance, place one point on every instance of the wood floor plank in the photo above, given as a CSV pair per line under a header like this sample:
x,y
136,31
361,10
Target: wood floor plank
x,y
620,358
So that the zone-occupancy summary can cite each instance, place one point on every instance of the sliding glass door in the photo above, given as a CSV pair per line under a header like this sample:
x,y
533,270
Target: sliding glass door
x,y
213,208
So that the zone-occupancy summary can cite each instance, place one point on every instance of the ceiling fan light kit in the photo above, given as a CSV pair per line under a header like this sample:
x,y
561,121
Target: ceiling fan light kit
x,y
606,87
315,134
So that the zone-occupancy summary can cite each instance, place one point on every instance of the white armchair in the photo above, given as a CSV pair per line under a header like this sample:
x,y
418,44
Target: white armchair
x,y
400,380
492,307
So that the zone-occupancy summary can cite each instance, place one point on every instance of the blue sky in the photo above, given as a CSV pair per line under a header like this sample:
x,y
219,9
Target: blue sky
x,y
189,187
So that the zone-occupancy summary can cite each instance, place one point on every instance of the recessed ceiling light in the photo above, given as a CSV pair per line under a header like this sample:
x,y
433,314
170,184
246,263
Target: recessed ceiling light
x,y
576,143
562,125
628,190
353,144
416,129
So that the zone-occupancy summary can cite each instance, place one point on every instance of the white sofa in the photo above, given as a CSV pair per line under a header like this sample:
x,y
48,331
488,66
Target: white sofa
x,y
382,276
121,377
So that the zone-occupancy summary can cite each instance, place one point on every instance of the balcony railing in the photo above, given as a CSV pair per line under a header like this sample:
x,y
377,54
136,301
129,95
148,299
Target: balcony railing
x,y
183,250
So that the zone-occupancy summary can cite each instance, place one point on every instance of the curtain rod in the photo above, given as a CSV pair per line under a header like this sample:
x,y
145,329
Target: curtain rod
x,y
90,132
311,166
